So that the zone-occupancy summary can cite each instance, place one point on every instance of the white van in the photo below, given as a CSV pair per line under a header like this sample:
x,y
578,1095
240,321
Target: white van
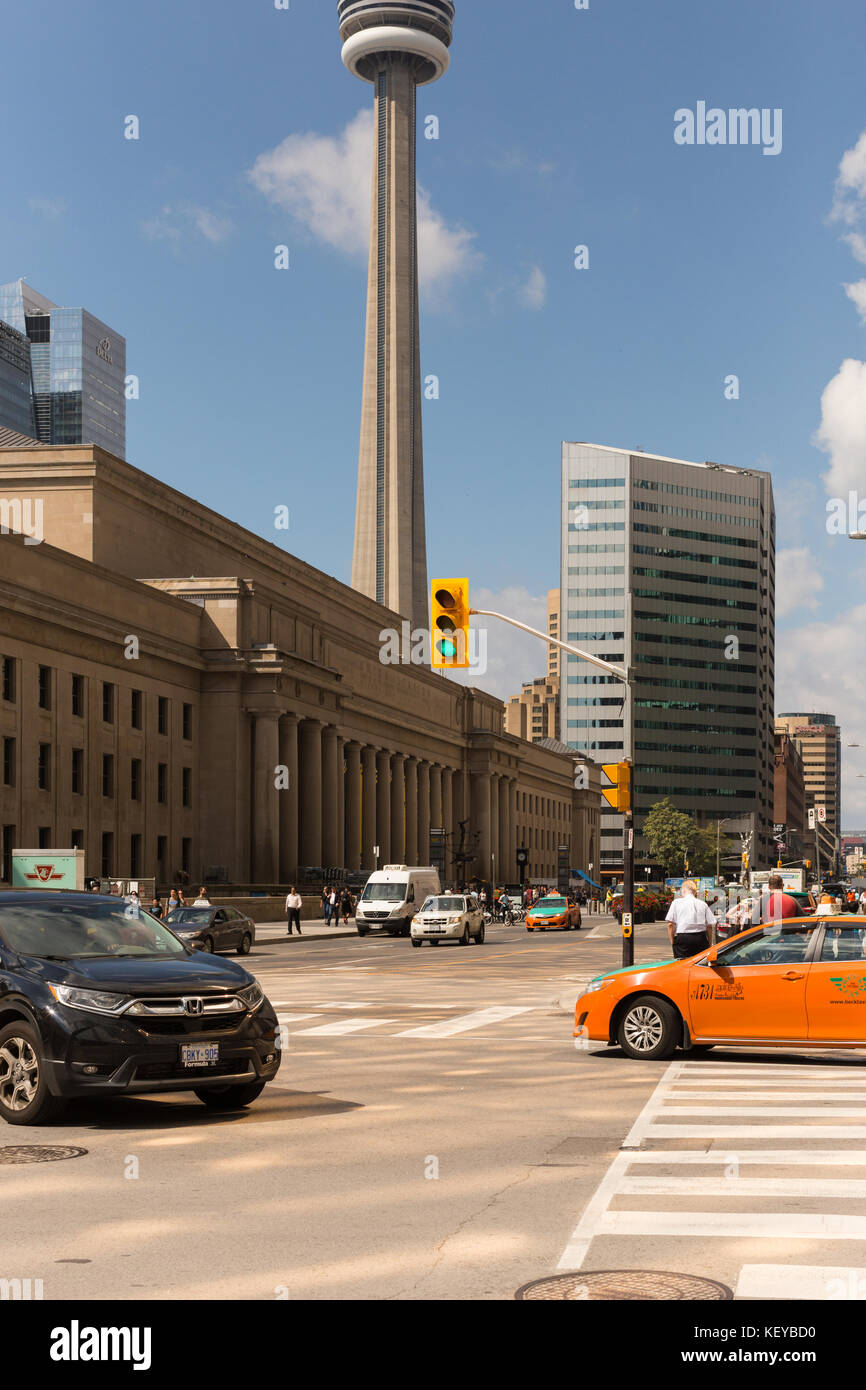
x,y
391,898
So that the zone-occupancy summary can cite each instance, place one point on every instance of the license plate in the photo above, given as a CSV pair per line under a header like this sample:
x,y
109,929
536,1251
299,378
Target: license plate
x,y
199,1054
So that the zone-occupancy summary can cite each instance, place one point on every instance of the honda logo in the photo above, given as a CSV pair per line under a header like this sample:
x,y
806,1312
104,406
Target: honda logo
x,y
195,1007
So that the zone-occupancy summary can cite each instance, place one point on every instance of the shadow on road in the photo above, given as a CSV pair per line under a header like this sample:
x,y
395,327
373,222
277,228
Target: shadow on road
x,y
176,1112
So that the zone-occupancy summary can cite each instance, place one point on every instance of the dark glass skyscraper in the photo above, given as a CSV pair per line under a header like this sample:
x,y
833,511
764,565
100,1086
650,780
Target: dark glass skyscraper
x,y
74,367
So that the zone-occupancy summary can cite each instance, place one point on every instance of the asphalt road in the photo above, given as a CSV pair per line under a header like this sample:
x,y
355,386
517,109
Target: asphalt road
x,y
435,1134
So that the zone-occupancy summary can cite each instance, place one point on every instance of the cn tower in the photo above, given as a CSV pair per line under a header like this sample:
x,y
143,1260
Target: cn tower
x,y
397,47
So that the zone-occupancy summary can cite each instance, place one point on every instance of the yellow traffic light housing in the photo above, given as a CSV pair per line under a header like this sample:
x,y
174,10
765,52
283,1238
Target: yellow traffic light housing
x,y
618,795
449,624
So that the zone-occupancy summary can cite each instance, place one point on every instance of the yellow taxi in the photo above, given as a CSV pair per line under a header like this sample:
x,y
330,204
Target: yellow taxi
x,y
791,983
553,913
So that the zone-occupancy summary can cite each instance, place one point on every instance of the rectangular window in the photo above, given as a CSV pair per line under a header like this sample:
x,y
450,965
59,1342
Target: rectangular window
x,y
78,696
44,836
8,846
108,774
107,702
185,854
9,762
43,778
162,715
161,852
134,856
137,709
187,722
77,839
107,854
186,786
78,771
135,779
161,782
9,679
44,687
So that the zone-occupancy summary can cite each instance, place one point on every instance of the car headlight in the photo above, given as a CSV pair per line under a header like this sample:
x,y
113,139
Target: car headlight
x,y
95,1001
596,984
454,921
253,996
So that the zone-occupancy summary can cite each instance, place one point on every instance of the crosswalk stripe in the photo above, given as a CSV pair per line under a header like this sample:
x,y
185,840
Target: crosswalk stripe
x,y
834,1099
768,1131
464,1024
294,1018
817,1283
800,1112
743,1187
806,1158
782,1225
343,1025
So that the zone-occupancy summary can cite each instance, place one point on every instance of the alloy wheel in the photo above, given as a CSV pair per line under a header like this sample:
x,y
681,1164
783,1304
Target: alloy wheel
x,y
19,1074
643,1029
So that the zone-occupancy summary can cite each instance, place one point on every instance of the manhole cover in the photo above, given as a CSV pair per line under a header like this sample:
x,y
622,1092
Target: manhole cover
x,y
33,1153
614,1284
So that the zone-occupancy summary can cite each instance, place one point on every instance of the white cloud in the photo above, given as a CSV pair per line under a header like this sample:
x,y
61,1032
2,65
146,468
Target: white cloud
x,y
851,184
324,182
176,222
842,433
857,294
533,294
856,241
512,656
814,671
798,582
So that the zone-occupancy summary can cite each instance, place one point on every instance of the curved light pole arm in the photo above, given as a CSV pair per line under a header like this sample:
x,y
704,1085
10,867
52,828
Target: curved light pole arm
x,y
625,676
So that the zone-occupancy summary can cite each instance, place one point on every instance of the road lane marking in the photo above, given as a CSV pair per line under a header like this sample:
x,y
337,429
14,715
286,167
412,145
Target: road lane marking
x,y
742,1187
479,1019
817,1283
294,1018
791,1112
343,1025
782,1225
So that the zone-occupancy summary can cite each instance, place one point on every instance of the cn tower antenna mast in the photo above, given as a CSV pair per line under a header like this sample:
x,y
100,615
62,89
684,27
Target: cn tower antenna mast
x,y
397,47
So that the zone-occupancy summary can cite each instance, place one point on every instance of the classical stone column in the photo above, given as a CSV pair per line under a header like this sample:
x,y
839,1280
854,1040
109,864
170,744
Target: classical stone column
x,y
310,799
289,798
368,808
398,809
480,819
436,820
331,840
383,805
448,820
353,806
508,863
266,797
341,802
411,811
495,868
424,813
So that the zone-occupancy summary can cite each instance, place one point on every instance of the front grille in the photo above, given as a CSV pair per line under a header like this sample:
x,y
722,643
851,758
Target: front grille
x,y
169,1071
183,1026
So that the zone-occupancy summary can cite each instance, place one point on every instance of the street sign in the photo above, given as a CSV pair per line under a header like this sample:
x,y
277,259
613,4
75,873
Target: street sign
x,y
811,818
822,814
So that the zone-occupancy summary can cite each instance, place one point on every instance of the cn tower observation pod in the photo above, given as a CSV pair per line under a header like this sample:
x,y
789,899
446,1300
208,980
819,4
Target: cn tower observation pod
x,y
418,28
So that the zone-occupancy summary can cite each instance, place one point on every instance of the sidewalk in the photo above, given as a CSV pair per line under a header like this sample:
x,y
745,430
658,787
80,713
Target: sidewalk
x,y
313,930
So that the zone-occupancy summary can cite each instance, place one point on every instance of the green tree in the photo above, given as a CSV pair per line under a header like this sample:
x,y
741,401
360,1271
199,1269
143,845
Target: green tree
x,y
669,834
702,851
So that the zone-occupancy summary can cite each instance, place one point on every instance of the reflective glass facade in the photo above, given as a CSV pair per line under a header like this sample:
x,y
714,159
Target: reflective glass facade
x,y
76,372
16,406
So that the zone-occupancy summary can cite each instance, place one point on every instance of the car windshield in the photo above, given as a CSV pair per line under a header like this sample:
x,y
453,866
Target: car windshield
x,y
66,931
559,903
189,914
384,893
443,905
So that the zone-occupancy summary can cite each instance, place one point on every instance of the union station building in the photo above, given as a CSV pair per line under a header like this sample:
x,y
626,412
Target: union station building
x,y
185,700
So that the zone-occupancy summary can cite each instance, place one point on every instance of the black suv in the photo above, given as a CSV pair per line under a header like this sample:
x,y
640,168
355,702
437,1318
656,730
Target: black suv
x,y
97,997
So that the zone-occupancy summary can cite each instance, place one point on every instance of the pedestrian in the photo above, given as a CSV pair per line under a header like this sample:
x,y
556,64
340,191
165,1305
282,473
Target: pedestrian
x,y
346,906
294,903
778,904
688,919
174,901
156,908
334,905
863,901
326,895
202,900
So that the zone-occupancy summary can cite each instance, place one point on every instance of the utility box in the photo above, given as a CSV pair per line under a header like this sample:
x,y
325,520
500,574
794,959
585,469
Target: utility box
x,y
48,868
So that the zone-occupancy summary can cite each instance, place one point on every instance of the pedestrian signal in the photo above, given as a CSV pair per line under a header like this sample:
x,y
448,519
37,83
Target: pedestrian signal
x,y
449,624
618,794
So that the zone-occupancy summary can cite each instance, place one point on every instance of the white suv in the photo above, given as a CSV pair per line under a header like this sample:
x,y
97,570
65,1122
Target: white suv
x,y
449,917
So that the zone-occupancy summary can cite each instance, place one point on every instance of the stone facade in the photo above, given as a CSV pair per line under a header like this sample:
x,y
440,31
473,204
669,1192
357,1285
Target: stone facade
x,y
241,720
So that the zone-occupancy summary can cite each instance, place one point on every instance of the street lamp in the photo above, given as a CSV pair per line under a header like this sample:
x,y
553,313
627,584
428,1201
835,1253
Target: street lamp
x,y
719,824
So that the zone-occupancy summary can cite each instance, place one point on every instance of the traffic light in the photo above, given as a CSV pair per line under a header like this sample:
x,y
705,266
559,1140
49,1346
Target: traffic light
x,y
449,624
618,794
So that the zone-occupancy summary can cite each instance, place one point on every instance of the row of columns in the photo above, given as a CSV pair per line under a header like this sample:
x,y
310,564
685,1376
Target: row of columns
x,y
322,799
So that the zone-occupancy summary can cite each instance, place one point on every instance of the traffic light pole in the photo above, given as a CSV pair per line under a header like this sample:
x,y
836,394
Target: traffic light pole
x,y
628,832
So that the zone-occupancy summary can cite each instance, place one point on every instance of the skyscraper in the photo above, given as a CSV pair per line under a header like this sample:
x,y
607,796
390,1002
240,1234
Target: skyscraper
x,y
819,739
668,567
62,372
396,47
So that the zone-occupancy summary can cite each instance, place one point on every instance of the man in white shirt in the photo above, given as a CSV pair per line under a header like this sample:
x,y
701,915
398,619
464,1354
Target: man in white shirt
x,y
294,903
688,919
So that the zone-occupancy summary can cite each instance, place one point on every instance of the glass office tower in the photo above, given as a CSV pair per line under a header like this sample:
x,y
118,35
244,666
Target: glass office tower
x,y
668,568
76,370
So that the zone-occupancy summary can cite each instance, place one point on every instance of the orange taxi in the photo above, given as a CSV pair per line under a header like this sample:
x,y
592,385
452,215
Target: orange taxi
x,y
553,913
801,981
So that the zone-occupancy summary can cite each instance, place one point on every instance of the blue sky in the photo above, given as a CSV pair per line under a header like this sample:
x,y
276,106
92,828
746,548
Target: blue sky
x,y
556,128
